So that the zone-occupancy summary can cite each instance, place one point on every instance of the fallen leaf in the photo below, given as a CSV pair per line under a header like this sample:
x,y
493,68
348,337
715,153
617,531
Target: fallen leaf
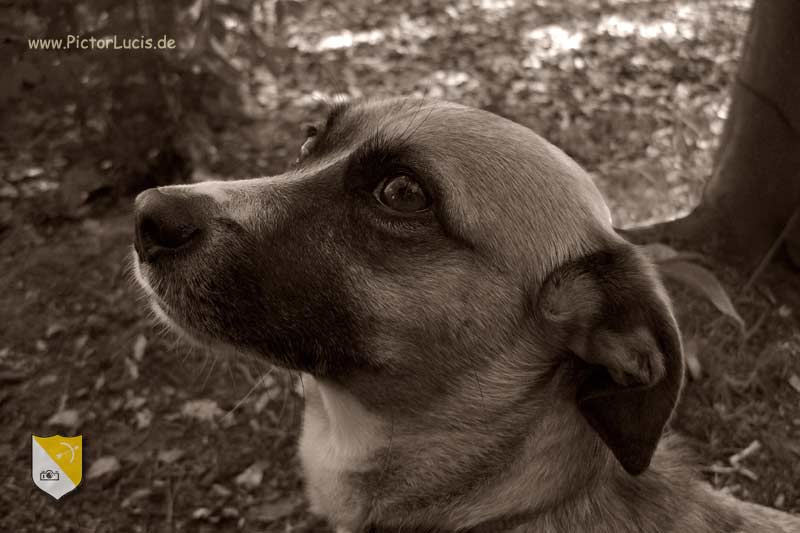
x,y
33,172
136,495
780,500
262,402
134,402
267,381
144,418
229,420
221,491
230,512
203,410
80,342
52,329
794,381
705,282
8,191
270,512
170,456
139,345
67,418
48,379
201,513
133,368
102,466
251,477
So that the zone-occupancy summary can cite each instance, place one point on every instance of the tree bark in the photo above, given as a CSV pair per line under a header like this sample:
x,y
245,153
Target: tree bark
x,y
755,187
756,184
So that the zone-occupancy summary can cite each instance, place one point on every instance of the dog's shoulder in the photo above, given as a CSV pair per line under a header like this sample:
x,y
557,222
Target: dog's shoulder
x,y
758,518
715,510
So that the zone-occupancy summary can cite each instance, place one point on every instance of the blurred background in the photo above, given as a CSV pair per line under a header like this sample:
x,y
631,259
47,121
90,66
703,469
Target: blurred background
x,y
638,92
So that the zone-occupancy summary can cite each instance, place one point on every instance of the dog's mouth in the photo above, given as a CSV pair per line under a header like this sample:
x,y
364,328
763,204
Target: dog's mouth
x,y
160,308
213,307
174,320
183,259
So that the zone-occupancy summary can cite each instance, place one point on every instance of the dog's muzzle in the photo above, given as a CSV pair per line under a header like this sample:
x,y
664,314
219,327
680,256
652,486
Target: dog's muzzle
x,y
167,223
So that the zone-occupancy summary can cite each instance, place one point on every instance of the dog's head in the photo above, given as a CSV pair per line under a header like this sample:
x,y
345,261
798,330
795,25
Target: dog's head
x,y
415,246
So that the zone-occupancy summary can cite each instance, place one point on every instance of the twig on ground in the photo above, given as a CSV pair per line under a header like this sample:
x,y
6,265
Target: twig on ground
x,y
735,462
755,327
719,469
752,448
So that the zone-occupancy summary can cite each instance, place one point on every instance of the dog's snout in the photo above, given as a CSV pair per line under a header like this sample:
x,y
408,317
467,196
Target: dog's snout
x,y
165,223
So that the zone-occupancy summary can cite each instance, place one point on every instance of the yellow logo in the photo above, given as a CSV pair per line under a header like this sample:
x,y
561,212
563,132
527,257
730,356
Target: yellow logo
x,y
57,463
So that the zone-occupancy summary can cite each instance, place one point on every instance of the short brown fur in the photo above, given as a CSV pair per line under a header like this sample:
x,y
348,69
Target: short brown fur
x,y
501,362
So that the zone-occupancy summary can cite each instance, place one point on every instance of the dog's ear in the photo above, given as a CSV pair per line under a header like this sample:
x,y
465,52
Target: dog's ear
x,y
610,310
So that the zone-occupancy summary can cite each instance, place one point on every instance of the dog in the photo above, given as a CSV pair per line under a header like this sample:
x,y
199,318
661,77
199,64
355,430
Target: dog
x,y
479,350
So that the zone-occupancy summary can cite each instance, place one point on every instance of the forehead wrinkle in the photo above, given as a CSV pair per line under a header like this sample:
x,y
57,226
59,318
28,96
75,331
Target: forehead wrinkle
x,y
510,191
400,122
395,117
504,189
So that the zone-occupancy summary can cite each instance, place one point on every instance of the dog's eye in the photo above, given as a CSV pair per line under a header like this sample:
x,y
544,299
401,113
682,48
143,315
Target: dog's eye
x,y
311,135
403,194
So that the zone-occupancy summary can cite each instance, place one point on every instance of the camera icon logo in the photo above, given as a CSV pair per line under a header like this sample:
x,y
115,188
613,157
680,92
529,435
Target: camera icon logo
x,y
48,475
56,464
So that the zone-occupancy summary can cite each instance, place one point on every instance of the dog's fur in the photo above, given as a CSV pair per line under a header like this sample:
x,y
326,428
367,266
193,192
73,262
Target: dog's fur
x,y
502,361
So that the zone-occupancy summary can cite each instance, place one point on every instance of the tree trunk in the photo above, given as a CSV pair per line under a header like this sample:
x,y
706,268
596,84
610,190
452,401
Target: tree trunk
x,y
755,188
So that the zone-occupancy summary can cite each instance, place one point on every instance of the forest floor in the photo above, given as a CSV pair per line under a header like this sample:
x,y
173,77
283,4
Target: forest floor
x,y
177,440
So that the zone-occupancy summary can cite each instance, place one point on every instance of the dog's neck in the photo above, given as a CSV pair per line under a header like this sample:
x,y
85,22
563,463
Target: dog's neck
x,y
564,479
558,476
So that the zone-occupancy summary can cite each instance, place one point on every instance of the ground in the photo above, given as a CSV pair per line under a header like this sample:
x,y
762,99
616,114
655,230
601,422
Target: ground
x,y
177,440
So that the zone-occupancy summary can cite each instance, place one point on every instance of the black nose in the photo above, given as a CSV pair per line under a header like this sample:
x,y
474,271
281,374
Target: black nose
x,y
166,222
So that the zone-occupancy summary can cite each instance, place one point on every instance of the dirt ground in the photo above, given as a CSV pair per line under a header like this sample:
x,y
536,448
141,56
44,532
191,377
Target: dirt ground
x,y
177,440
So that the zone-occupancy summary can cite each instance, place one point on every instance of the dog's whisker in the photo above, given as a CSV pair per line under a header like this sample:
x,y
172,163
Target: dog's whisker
x,y
433,107
252,365
247,395
286,393
214,360
402,137
302,387
234,383
199,371
335,82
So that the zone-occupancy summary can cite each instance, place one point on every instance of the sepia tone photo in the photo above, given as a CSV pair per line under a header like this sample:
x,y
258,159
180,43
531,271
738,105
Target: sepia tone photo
x,y
463,266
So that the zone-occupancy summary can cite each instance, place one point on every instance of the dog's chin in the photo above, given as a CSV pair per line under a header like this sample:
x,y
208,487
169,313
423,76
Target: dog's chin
x,y
182,327
178,318
173,320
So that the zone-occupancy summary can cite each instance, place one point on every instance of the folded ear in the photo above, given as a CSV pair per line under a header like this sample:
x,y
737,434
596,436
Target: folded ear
x,y
610,310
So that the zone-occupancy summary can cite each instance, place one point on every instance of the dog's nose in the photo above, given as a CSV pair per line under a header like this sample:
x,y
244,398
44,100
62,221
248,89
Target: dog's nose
x,y
165,223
